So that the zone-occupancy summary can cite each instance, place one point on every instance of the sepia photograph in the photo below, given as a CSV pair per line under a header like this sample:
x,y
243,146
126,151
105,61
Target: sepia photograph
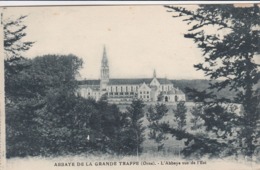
x,y
130,87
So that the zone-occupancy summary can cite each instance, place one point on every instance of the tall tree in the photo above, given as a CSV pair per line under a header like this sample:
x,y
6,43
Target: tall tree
x,y
135,131
180,115
14,31
109,128
154,116
229,54
42,101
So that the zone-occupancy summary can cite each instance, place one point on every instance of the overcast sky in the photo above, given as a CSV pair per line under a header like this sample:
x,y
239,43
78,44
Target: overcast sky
x,y
138,39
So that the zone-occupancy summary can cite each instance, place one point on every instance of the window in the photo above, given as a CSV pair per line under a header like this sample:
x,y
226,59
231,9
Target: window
x,y
131,88
140,92
147,92
147,97
116,93
126,93
121,93
121,88
116,88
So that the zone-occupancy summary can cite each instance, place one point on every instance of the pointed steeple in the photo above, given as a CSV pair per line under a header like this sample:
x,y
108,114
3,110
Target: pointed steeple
x,y
104,71
104,58
154,73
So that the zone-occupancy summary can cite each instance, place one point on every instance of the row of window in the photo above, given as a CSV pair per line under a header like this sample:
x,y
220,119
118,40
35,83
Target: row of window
x,y
144,92
123,88
132,88
121,93
166,88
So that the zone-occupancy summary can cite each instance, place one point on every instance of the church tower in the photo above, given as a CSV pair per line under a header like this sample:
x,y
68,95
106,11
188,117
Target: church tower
x,y
104,78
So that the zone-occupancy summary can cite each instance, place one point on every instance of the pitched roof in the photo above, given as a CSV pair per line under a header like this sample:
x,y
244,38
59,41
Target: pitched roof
x,y
164,81
173,91
129,81
178,91
137,81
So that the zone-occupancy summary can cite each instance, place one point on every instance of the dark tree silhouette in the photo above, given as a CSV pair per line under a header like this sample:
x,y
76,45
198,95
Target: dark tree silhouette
x,y
229,55
14,46
39,109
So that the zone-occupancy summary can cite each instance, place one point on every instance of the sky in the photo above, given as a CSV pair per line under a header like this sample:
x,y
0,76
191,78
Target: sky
x,y
138,39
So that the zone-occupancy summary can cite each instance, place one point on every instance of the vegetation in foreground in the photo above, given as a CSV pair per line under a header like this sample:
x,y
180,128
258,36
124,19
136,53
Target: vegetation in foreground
x,y
45,117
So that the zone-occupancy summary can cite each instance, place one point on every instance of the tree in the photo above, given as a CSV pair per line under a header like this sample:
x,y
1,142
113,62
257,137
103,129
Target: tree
x,y
154,116
180,115
14,62
160,97
42,103
135,129
196,121
228,56
14,46
108,128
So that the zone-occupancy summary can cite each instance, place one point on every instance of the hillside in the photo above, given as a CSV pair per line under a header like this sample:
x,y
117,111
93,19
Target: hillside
x,y
200,85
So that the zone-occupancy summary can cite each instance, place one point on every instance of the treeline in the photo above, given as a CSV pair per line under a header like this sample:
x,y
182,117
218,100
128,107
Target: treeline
x,y
203,84
45,116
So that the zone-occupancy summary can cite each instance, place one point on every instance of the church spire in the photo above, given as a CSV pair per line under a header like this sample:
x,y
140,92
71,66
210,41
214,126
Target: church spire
x,y
104,59
154,73
104,71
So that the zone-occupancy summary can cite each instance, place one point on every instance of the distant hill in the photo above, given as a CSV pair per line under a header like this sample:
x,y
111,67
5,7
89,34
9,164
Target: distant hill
x,y
200,85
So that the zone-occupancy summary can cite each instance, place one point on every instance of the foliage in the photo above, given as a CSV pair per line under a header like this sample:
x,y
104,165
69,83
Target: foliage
x,y
229,54
109,128
14,46
203,84
53,120
135,130
180,115
196,121
160,97
44,115
36,97
154,115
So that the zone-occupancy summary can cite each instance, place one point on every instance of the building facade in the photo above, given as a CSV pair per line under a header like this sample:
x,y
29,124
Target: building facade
x,y
125,90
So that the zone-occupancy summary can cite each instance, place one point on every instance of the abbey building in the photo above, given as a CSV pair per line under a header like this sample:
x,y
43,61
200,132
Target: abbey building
x,y
124,90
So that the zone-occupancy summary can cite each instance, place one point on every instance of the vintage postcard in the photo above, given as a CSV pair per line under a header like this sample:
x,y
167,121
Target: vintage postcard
x,y
130,87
